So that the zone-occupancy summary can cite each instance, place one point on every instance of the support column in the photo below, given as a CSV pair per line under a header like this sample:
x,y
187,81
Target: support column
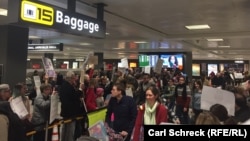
x,y
188,65
100,11
100,60
71,6
13,53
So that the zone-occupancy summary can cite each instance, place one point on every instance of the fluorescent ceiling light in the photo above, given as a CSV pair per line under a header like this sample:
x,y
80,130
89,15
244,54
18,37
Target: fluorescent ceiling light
x,y
214,40
107,33
194,27
118,48
121,53
164,47
3,12
140,42
85,44
34,37
224,46
239,61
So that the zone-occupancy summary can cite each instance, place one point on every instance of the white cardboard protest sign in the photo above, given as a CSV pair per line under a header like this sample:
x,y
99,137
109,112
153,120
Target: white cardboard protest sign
x,y
37,84
18,107
129,92
211,96
147,69
124,62
54,108
48,66
158,66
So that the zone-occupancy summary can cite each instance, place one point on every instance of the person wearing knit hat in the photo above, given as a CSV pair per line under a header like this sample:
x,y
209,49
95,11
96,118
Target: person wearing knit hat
x,y
5,92
99,98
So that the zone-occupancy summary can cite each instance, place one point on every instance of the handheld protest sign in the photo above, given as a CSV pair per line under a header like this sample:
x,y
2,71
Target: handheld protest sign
x,y
211,96
84,67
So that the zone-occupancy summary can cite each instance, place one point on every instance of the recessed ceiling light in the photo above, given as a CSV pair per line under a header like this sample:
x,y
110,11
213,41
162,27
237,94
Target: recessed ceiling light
x,y
107,33
224,46
214,40
194,27
85,44
3,12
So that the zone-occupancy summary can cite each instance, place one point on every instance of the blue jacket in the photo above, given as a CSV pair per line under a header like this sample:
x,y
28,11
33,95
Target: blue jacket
x,y
125,112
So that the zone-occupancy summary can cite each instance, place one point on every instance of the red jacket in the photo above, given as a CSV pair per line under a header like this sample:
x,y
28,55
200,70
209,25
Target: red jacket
x,y
160,116
90,99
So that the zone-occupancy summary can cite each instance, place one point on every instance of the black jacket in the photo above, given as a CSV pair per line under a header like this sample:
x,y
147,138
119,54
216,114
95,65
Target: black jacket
x,y
71,105
16,130
125,112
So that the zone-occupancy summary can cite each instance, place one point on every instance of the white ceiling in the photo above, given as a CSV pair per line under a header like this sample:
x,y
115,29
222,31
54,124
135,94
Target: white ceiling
x,y
159,23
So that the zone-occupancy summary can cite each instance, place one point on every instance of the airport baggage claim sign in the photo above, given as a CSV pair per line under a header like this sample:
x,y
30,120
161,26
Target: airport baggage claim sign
x,y
61,20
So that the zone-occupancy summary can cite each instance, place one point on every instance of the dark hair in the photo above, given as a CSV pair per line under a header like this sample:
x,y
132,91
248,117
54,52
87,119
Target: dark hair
x,y
199,82
171,79
17,89
220,111
230,121
45,86
175,60
240,100
184,91
35,72
120,87
155,92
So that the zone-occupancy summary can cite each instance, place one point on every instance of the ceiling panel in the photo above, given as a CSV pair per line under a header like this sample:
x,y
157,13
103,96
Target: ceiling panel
x,y
159,23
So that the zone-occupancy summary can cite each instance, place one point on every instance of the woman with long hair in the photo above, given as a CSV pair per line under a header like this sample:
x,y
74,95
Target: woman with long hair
x,y
196,99
152,112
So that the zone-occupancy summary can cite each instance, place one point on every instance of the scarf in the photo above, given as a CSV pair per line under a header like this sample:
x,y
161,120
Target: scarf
x,y
149,114
184,90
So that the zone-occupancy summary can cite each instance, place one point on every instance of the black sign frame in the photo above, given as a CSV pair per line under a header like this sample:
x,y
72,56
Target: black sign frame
x,y
68,17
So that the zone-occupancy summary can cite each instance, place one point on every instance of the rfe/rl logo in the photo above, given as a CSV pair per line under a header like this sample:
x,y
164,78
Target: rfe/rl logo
x,y
37,13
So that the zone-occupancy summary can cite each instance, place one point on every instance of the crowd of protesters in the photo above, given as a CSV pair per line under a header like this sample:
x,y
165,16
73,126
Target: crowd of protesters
x,y
132,97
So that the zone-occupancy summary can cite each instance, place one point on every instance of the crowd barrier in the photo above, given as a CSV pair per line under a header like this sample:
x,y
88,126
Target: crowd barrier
x,y
93,117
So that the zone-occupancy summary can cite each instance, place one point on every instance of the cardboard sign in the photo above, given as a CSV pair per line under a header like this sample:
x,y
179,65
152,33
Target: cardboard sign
x,y
211,96
18,107
48,66
93,60
158,66
124,62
